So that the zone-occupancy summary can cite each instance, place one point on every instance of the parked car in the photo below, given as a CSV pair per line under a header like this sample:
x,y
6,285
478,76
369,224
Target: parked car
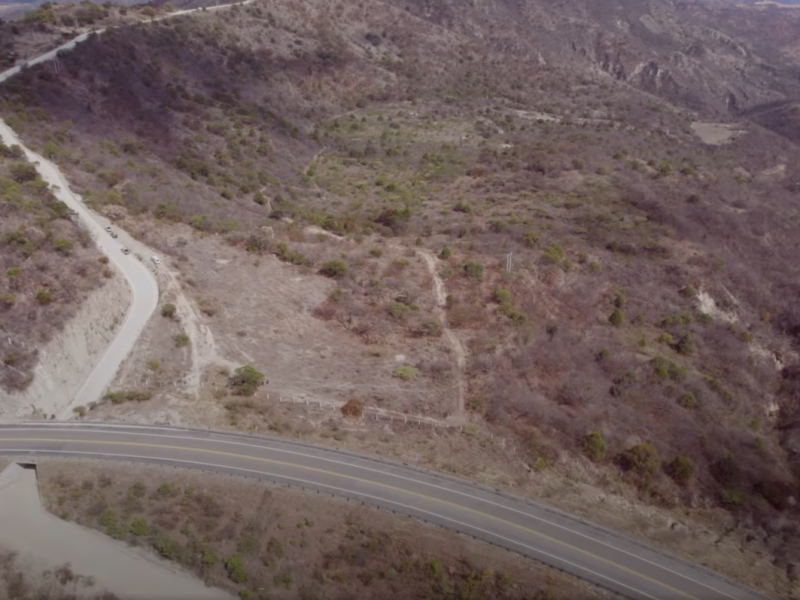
x,y
113,234
126,251
108,229
155,259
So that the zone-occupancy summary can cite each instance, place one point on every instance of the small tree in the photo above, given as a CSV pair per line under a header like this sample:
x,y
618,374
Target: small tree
x,y
169,310
616,318
353,408
681,470
594,446
642,459
245,380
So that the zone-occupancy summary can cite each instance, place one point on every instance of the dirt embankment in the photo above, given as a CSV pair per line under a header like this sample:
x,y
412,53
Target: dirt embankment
x,y
47,541
69,357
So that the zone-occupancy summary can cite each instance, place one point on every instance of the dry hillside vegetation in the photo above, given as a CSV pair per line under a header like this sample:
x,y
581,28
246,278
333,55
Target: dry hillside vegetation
x,y
647,328
48,265
50,25
264,541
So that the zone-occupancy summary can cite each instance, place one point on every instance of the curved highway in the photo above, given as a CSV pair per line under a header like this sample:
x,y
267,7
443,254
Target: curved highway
x,y
602,557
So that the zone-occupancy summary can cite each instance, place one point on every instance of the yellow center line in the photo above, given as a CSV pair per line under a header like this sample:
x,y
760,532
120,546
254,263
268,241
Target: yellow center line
x,y
370,482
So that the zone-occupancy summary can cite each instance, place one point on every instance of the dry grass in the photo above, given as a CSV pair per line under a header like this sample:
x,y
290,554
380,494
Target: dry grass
x,y
290,542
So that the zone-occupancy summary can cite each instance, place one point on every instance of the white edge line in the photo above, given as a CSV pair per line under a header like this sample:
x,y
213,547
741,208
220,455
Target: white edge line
x,y
424,483
344,492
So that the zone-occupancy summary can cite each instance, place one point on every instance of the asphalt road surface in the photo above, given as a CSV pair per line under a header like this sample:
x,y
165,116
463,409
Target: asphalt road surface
x,y
617,563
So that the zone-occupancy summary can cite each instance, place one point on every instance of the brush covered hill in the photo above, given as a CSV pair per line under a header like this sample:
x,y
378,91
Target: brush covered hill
x,y
653,292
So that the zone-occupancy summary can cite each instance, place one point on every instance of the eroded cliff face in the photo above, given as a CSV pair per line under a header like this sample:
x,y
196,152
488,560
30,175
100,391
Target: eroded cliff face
x,y
70,356
706,57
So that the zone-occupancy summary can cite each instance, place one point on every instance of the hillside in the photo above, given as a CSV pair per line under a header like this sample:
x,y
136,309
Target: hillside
x,y
48,264
643,338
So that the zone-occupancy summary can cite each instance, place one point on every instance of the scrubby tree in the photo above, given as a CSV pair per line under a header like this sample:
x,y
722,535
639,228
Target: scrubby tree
x,y
169,310
643,459
594,446
246,380
681,470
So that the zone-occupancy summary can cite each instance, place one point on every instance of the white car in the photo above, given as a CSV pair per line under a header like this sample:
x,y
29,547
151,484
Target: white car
x,y
155,259
126,251
108,229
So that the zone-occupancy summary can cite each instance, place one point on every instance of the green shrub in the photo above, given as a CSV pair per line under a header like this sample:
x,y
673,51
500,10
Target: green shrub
x,y
334,268
181,340
43,296
530,238
139,527
666,369
474,270
517,316
7,300
63,246
13,272
642,458
616,318
445,253
169,310
553,254
502,296
688,400
154,364
405,372
688,291
236,570
666,338
681,470
245,380
594,446
398,310
287,255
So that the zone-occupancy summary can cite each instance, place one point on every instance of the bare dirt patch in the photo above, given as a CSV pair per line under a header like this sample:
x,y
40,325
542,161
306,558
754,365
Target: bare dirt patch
x,y
239,308
716,134
270,540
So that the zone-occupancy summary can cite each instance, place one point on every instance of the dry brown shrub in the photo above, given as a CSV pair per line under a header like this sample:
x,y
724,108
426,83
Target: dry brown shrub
x,y
353,408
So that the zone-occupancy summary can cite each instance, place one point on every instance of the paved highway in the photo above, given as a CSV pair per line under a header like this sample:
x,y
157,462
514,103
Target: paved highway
x,y
597,555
